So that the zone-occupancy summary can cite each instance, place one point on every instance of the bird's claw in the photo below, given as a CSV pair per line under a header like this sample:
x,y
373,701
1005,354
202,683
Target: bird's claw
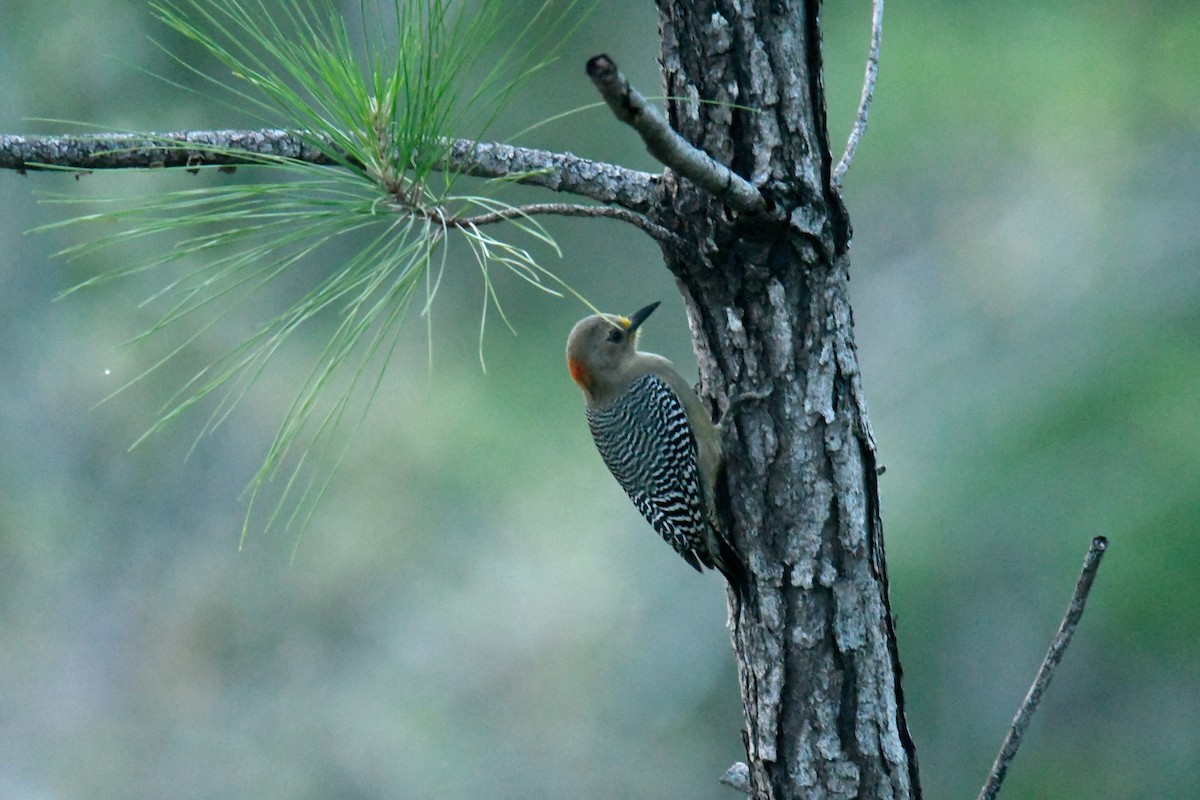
x,y
747,396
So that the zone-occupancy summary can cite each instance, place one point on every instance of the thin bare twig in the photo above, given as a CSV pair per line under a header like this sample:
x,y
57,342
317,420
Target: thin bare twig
x,y
657,232
868,92
1091,563
675,152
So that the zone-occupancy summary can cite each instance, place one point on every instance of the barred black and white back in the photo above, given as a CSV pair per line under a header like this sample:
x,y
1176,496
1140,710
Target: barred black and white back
x,y
646,442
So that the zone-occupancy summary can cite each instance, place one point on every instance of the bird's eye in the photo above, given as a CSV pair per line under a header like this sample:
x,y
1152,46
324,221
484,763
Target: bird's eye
x,y
615,336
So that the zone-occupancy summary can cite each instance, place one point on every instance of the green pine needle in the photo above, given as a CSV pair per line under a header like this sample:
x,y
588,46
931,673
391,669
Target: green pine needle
x,y
383,109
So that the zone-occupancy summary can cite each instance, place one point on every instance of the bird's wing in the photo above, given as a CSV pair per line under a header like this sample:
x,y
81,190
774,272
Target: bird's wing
x,y
647,444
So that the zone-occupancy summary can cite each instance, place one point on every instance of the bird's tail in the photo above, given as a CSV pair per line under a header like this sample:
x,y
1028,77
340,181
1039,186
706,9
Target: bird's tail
x,y
729,563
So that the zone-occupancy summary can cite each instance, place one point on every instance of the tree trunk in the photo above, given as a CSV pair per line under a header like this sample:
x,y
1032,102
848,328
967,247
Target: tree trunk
x,y
768,306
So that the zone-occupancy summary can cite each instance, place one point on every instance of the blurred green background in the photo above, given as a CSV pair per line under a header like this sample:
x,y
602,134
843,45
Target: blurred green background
x,y
477,610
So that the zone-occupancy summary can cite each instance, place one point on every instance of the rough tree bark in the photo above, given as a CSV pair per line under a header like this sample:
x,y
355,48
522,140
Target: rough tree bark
x,y
767,301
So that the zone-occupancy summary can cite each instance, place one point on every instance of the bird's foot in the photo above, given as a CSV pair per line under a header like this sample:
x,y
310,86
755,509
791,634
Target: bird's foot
x,y
745,397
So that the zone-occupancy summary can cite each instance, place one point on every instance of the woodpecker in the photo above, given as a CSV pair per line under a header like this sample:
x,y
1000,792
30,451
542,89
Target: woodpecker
x,y
654,435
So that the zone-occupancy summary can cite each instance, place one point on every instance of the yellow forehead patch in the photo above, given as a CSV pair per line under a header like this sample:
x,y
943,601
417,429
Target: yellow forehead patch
x,y
625,322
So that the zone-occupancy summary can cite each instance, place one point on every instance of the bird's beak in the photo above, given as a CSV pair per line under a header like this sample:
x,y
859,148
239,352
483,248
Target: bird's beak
x,y
639,316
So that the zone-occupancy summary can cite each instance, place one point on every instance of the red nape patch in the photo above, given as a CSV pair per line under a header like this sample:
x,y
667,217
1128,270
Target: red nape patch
x,y
579,372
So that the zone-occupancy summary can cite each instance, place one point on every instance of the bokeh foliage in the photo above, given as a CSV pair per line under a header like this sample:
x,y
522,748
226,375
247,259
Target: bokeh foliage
x,y
476,611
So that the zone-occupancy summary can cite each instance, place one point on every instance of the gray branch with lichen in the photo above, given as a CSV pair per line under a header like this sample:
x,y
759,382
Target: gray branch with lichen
x,y
560,172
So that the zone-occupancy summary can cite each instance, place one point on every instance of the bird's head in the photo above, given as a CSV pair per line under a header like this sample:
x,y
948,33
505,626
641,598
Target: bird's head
x,y
601,346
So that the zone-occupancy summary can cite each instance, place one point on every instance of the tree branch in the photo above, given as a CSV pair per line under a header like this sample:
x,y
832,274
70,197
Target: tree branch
x,y
738,777
560,172
149,150
1091,563
868,92
657,232
675,152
